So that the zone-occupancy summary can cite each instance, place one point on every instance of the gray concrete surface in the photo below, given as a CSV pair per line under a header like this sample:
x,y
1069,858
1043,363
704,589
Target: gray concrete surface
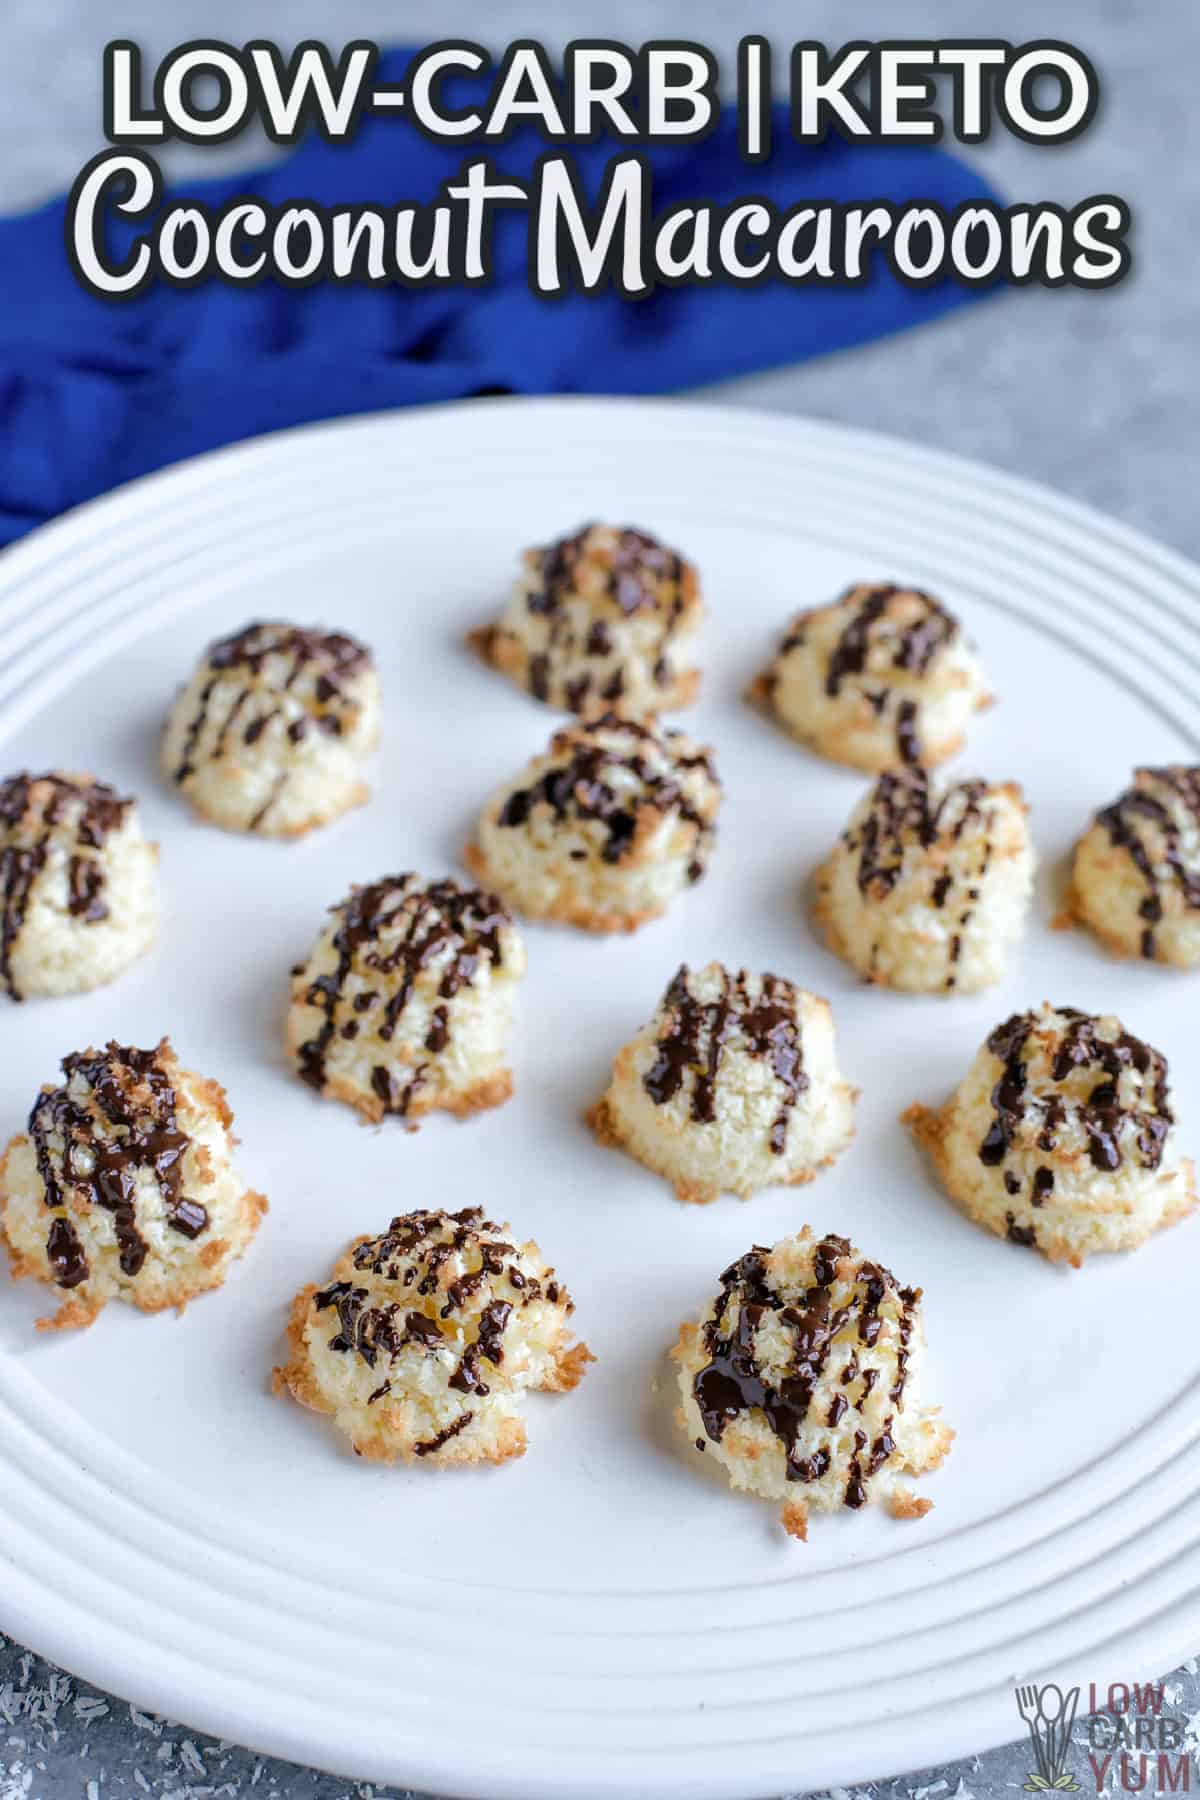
x,y
1094,393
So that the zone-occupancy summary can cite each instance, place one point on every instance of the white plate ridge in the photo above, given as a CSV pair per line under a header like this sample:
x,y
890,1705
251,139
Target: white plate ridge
x,y
612,1619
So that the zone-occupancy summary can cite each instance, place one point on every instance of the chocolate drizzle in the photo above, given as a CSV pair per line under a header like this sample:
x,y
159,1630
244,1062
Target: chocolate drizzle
x,y
65,1254
696,1033
640,575
735,1382
856,1492
914,647
1082,1088
317,670
113,1121
373,1331
1149,821
902,814
579,786
450,1261
849,654
434,1444
637,568
887,627
388,935
36,811
908,742
488,1347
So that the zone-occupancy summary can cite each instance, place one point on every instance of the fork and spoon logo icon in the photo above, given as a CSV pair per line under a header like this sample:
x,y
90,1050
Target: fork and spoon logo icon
x,y
1049,1714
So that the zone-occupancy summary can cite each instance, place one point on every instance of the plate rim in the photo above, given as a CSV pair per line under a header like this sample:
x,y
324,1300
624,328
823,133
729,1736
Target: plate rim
x,y
41,549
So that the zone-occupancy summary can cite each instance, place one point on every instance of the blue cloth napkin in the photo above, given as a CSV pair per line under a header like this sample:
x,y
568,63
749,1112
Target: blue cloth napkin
x,y
93,392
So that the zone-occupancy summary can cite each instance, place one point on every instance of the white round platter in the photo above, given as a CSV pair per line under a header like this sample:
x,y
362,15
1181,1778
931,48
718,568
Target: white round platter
x,y
604,1617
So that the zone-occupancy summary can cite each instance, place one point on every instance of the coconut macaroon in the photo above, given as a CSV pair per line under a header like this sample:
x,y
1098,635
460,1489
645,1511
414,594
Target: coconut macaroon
x,y
732,1086
78,896
405,1004
123,1186
1061,1137
881,676
605,618
271,733
425,1339
803,1380
927,889
1136,879
604,829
